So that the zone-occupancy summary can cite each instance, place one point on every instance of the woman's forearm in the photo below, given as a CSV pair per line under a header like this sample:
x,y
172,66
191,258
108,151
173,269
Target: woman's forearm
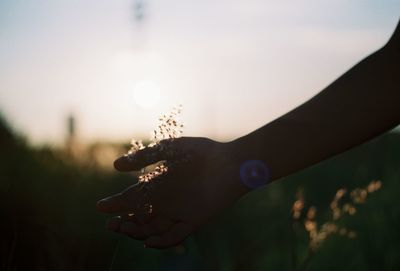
x,y
361,104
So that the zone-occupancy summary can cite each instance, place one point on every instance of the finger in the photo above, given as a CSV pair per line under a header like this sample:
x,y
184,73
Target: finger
x,y
173,237
112,204
156,226
125,202
133,230
128,201
113,224
144,157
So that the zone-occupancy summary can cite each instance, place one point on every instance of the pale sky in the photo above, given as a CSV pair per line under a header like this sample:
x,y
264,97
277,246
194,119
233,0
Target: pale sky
x,y
234,65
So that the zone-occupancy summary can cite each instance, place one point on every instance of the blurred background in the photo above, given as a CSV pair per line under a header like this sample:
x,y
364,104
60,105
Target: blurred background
x,y
79,79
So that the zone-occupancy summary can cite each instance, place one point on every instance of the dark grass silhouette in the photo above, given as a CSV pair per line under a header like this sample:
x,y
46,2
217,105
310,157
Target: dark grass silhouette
x,y
49,222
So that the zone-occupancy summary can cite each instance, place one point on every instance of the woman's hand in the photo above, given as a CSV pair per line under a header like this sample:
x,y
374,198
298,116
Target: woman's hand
x,y
201,181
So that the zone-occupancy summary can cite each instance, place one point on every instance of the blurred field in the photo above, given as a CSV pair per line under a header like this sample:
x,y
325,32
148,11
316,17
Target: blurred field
x,y
49,221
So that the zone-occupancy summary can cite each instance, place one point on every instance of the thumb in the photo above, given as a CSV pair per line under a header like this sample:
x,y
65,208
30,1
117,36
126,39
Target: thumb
x,y
145,157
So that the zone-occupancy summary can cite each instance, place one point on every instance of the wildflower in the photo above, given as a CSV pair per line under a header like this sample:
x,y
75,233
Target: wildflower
x,y
317,235
168,128
298,205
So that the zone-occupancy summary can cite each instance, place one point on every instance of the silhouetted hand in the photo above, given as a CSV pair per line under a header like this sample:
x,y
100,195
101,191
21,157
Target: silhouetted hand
x,y
203,175
202,180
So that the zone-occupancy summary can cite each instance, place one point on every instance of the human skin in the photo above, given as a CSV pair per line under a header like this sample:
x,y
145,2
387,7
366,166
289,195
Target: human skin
x,y
360,105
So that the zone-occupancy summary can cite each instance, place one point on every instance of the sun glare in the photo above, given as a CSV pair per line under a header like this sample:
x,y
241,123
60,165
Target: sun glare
x,y
147,94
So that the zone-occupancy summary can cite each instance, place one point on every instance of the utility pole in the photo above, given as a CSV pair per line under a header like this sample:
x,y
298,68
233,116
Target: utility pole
x,y
139,10
70,143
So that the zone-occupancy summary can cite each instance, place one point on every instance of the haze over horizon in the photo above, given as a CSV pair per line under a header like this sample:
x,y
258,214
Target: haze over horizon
x,y
234,65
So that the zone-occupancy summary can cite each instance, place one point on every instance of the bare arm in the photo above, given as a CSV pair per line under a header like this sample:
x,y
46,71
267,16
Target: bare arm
x,y
361,104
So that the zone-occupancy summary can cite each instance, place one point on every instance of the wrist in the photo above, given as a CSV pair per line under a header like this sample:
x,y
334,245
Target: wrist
x,y
251,171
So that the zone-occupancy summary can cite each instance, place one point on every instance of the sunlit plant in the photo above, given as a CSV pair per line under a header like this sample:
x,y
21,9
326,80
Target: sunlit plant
x,y
169,127
339,207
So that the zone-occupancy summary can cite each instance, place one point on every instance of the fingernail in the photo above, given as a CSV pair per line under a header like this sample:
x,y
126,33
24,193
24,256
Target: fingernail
x,y
99,204
103,204
102,201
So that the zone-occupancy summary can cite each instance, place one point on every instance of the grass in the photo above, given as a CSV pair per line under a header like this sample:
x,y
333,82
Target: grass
x,y
49,221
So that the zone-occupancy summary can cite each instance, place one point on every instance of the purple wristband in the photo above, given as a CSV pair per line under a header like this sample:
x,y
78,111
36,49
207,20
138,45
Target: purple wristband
x,y
254,173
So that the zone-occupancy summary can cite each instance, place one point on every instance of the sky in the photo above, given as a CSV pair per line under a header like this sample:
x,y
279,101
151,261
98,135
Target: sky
x,y
233,65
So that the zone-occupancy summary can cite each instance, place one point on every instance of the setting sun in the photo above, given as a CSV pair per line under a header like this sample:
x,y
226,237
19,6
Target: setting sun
x,y
147,94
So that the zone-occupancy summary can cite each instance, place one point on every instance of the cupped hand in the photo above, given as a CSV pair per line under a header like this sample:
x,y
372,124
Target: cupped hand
x,y
201,181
